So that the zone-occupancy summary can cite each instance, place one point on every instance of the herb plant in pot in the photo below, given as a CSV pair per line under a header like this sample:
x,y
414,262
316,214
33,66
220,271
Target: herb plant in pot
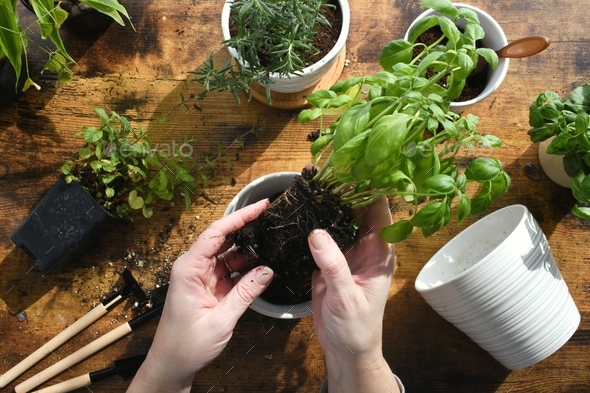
x,y
393,135
472,33
562,126
281,51
114,176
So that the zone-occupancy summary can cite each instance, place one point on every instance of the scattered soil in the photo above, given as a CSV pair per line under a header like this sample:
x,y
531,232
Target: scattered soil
x,y
474,84
324,39
278,237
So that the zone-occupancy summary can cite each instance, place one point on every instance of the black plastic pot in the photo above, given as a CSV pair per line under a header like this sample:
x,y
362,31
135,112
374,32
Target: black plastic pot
x,y
64,224
9,91
87,23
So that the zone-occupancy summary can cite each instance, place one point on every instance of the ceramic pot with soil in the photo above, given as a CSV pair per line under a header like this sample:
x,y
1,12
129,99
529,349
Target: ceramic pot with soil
x,y
291,91
65,223
289,295
478,87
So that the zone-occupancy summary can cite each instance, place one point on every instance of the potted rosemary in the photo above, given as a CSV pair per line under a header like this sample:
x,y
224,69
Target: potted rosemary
x,y
562,126
278,51
392,134
115,175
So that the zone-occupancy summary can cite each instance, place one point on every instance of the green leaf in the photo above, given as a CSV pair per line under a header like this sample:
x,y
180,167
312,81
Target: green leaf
x,y
84,153
135,201
483,169
466,64
350,152
96,165
320,143
397,232
421,26
481,202
307,115
388,179
490,56
464,208
582,212
111,8
147,211
540,134
386,138
581,188
468,15
562,144
439,184
450,30
396,51
582,122
579,99
429,215
321,98
66,168
352,123
109,192
445,7
491,141
92,134
473,32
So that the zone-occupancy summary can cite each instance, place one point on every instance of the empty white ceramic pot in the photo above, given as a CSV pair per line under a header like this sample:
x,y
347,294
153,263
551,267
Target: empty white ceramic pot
x,y
311,75
497,281
552,165
261,188
494,39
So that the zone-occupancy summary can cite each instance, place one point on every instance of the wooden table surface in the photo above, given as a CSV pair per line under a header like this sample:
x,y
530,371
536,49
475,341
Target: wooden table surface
x,y
142,75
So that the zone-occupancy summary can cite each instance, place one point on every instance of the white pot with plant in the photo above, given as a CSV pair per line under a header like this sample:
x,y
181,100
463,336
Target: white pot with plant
x,y
274,58
562,128
479,26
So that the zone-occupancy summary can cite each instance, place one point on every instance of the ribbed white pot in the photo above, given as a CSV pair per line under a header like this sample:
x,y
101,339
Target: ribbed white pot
x,y
552,165
311,75
261,188
497,281
494,39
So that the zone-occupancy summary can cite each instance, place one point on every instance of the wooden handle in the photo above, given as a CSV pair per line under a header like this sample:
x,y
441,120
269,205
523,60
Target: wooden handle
x,y
69,385
54,343
74,358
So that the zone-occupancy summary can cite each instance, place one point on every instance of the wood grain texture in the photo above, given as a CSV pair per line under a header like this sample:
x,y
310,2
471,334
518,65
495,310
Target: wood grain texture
x,y
142,75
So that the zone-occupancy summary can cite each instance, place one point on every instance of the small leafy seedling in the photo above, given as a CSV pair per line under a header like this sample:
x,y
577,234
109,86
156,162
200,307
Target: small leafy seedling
x,y
119,167
569,122
272,36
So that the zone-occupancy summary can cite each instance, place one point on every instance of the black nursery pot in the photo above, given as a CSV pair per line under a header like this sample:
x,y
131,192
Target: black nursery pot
x,y
64,224
9,91
87,23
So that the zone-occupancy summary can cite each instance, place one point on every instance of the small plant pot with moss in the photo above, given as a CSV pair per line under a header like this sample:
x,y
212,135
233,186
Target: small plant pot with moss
x,y
483,80
277,59
279,300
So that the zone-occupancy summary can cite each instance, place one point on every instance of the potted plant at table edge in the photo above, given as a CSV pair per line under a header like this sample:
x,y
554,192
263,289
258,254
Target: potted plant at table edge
x,y
494,39
284,30
14,39
394,135
563,129
112,177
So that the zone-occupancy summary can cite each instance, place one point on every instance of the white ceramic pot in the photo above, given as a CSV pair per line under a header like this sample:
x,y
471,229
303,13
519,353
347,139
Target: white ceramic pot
x,y
261,188
310,76
552,165
497,281
494,39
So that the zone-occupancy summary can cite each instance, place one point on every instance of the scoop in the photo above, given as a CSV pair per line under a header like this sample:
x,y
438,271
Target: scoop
x,y
524,47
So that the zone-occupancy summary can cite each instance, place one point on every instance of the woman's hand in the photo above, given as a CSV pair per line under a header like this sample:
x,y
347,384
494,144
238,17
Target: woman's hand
x,y
202,307
348,302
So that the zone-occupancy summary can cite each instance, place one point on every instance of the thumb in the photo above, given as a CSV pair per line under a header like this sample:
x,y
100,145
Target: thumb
x,y
250,286
330,260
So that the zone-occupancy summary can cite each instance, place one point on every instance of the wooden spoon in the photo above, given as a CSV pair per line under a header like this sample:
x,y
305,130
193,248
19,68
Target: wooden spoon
x,y
524,47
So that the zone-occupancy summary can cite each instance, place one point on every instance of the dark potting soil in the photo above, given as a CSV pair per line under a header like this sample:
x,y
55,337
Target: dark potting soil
x,y
324,39
474,84
279,237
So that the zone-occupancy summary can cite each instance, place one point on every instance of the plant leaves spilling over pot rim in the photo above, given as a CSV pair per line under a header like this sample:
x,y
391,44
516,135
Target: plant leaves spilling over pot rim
x,y
272,36
568,120
394,134
125,173
14,39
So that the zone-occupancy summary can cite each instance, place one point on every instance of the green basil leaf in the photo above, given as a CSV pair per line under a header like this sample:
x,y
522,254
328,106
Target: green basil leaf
x,y
582,212
135,201
445,7
582,122
307,115
321,98
450,30
539,134
483,169
429,215
320,143
386,138
439,184
481,202
581,188
562,144
352,123
388,180
397,232
397,51
350,152
464,208
490,56
421,26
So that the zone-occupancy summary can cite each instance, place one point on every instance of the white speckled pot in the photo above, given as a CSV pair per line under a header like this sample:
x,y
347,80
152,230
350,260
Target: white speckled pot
x,y
552,165
311,75
497,281
257,190
494,39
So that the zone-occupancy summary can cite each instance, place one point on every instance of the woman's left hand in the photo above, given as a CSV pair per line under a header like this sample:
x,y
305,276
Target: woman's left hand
x,y
202,307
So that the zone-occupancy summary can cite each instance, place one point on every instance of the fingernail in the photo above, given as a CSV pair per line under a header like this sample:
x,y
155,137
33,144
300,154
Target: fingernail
x,y
319,239
264,275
